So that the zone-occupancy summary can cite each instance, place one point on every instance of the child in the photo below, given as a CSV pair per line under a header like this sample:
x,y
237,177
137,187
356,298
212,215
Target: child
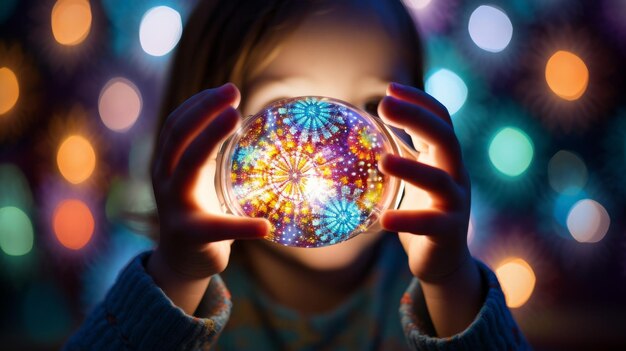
x,y
346,296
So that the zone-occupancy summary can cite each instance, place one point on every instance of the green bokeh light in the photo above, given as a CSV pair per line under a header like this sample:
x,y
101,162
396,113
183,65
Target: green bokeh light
x,y
14,188
511,151
16,231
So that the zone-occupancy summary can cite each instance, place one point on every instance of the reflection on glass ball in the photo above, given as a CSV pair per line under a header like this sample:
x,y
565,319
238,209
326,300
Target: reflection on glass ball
x,y
310,166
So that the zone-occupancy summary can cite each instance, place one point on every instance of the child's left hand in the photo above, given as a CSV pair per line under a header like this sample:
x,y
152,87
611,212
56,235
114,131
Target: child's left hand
x,y
434,238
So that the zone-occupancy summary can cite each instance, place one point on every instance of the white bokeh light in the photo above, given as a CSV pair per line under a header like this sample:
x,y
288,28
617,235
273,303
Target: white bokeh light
x,y
490,28
417,4
588,221
160,30
447,87
119,104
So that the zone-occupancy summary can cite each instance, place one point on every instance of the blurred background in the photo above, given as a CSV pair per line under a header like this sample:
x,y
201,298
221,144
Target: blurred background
x,y
535,89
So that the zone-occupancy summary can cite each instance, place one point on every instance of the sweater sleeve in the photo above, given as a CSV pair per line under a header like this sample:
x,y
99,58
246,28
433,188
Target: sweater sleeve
x,y
493,328
137,315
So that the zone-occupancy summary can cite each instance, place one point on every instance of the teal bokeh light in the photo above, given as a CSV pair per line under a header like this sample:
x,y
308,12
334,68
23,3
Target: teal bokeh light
x,y
7,7
567,172
511,151
16,231
447,87
45,314
14,188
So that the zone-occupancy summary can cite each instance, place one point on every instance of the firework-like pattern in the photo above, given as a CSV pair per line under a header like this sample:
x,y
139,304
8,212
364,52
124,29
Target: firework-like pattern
x,y
309,165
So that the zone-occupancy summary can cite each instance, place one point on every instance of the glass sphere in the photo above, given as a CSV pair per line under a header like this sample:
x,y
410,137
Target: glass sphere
x,y
310,166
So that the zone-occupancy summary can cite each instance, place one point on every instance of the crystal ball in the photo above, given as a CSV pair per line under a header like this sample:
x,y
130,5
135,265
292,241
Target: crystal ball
x,y
310,166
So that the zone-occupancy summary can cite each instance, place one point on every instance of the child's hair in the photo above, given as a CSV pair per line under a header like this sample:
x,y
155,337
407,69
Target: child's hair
x,y
224,39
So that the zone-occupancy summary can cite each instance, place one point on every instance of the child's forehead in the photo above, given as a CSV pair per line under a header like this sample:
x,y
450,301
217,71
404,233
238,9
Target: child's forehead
x,y
339,40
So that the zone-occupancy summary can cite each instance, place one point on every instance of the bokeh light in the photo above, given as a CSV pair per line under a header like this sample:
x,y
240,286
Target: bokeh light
x,y
76,159
511,151
567,172
16,231
14,187
119,104
490,28
417,4
9,90
160,30
588,221
563,204
73,224
131,202
6,9
45,314
447,87
517,279
71,21
567,75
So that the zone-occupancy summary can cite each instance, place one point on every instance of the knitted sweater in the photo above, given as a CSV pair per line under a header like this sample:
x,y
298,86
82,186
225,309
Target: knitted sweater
x,y
137,315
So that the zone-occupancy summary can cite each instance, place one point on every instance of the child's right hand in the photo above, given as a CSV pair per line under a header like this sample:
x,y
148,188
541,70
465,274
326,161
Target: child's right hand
x,y
194,244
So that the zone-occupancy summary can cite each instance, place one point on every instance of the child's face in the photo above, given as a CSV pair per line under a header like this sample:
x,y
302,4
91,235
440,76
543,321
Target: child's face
x,y
347,54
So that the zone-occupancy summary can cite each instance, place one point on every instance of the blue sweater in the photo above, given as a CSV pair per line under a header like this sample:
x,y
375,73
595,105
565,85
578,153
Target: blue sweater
x,y
137,315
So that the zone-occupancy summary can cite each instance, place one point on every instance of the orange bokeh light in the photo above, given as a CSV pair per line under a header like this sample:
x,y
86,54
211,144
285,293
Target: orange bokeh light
x,y
76,159
517,279
71,21
9,90
567,75
73,224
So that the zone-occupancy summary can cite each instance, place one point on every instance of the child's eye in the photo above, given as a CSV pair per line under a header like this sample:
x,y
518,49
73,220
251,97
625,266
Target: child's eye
x,y
371,106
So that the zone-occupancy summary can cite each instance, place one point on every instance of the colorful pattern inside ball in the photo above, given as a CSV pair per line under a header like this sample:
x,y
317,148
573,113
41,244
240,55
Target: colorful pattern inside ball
x,y
309,165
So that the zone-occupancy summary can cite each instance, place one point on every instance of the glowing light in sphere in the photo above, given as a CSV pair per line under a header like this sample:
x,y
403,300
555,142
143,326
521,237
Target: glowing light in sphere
x,y
511,151
119,104
73,224
76,159
417,4
308,165
490,28
588,221
517,279
567,75
567,172
71,21
160,30
16,231
447,87
9,90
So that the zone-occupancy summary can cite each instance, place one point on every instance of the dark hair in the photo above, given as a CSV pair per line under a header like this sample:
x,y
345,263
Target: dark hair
x,y
223,39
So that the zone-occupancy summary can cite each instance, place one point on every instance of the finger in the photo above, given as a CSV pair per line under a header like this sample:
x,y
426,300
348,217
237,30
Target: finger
x,y
419,97
190,103
426,126
422,222
442,189
196,154
190,120
205,228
